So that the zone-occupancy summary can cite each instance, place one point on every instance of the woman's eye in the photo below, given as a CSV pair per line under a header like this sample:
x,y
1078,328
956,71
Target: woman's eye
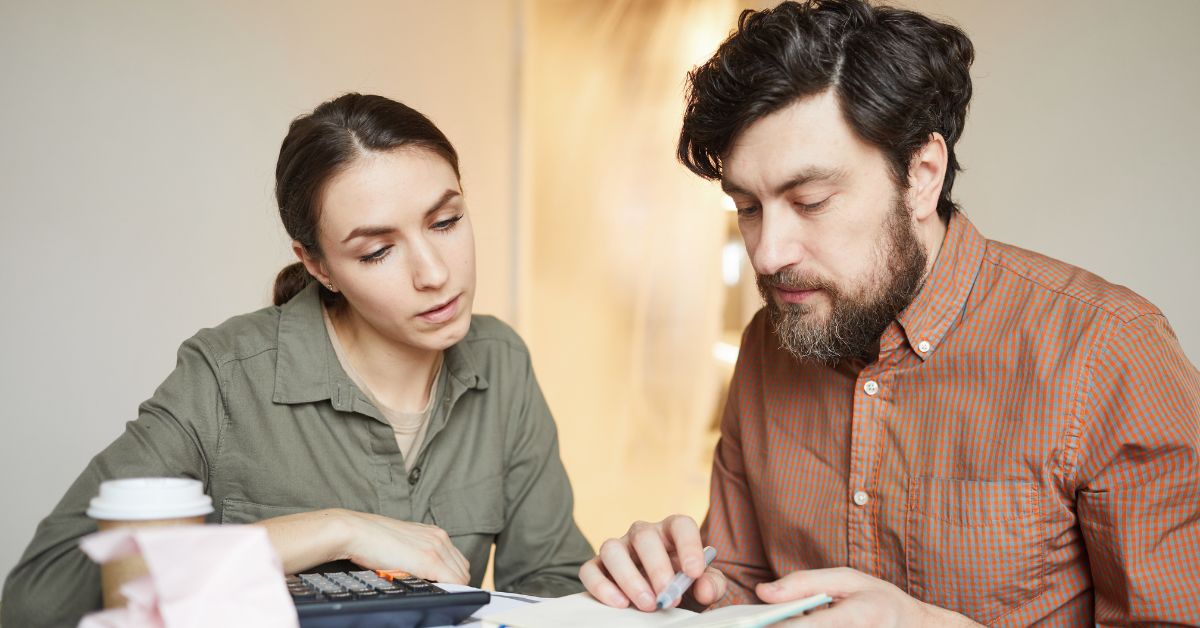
x,y
377,255
447,224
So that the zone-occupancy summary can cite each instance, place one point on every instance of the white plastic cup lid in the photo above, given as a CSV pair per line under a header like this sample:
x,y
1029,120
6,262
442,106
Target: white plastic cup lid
x,y
141,499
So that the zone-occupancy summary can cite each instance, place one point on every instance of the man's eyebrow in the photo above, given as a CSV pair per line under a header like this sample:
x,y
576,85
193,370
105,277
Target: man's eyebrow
x,y
367,231
807,175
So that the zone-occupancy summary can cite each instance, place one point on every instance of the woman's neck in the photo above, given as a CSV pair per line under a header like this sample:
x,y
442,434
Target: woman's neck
x,y
398,375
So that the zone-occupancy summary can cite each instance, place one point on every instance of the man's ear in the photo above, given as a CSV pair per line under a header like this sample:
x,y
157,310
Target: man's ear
x,y
926,173
315,267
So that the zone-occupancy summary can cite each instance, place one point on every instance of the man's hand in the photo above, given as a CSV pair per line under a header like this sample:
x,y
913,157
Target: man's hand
x,y
858,600
639,565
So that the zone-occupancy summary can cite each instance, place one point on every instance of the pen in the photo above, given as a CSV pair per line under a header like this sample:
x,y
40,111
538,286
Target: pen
x,y
681,582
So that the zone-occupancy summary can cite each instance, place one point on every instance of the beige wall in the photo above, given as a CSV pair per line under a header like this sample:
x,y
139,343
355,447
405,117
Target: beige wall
x,y
137,165
1082,139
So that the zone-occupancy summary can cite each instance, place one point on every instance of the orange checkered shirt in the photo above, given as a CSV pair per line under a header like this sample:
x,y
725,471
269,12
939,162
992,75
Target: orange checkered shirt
x,y
1025,448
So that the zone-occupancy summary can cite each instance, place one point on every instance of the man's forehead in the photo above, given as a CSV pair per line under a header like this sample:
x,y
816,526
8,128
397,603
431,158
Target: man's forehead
x,y
808,139
786,180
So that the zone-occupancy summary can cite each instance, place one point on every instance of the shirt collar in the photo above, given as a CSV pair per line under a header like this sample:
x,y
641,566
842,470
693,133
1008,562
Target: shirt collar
x,y
307,369
939,304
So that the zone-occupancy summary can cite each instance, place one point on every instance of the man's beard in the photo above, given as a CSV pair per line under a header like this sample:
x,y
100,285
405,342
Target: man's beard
x,y
855,322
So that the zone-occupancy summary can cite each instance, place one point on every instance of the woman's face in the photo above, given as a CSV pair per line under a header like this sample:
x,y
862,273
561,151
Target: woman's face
x,y
398,244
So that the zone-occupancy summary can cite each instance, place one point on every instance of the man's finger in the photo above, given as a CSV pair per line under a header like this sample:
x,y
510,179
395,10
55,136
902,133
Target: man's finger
x,y
847,613
836,582
648,544
684,535
597,583
619,564
710,587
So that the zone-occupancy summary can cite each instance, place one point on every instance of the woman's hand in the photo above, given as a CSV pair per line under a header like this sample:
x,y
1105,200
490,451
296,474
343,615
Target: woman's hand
x,y
638,566
373,541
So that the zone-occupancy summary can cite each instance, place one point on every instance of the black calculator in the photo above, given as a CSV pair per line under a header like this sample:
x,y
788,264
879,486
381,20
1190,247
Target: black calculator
x,y
373,599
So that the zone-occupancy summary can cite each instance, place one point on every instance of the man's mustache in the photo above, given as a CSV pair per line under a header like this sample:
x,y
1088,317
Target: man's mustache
x,y
794,281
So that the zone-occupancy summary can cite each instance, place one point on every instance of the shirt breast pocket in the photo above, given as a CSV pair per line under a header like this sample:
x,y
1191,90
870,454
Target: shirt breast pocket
x,y
476,509
975,547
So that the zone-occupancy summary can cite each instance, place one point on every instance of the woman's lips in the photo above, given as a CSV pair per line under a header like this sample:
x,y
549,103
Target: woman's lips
x,y
442,313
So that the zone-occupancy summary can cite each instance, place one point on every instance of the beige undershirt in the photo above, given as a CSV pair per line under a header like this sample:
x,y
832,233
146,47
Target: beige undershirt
x,y
409,427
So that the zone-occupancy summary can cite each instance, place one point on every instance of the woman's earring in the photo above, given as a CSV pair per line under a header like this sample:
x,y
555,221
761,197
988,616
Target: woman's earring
x,y
330,284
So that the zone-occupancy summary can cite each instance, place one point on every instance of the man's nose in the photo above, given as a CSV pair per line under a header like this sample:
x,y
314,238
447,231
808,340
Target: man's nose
x,y
780,241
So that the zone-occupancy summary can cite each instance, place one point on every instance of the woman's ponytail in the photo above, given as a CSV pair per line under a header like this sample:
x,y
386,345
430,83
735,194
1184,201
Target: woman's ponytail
x,y
290,281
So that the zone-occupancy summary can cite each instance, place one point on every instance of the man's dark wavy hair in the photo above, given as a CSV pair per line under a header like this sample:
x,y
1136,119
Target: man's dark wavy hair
x,y
899,76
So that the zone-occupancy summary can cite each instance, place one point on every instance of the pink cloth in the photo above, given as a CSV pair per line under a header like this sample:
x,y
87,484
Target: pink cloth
x,y
201,575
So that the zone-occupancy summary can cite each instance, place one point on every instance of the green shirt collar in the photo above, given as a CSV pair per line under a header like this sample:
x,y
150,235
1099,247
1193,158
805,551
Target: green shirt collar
x,y
307,369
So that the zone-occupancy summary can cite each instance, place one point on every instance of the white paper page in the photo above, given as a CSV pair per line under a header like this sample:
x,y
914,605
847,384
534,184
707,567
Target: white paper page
x,y
500,602
753,615
582,609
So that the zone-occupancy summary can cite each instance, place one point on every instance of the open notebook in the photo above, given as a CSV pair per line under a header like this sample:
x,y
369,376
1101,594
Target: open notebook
x,y
583,610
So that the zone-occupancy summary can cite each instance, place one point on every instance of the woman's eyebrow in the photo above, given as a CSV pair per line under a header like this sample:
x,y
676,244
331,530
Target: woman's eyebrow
x,y
366,231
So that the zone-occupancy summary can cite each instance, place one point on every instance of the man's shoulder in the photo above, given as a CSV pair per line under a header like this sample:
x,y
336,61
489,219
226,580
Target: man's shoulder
x,y
1037,273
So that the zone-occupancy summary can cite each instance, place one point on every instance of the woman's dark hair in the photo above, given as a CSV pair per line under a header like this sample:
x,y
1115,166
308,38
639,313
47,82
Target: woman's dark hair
x,y
323,143
898,75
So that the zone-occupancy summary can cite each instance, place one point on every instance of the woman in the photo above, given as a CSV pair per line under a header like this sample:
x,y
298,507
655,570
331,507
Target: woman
x,y
367,416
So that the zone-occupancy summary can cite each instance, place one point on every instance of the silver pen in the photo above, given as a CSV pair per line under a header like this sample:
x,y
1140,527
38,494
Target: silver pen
x,y
680,583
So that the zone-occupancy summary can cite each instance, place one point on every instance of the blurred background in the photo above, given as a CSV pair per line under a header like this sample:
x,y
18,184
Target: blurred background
x,y
140,137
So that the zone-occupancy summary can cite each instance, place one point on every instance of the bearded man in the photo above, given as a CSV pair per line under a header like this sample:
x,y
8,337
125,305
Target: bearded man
x,y
929,426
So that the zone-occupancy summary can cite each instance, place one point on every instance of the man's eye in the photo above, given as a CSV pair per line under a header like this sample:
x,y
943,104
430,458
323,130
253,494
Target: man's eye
x,y
812,207
747,211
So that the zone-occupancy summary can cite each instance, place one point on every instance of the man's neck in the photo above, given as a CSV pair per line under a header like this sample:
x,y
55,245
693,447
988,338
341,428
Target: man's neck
x,y
932,234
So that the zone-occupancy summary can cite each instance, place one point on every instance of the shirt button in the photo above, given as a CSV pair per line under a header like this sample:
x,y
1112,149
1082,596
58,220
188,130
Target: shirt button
x,y
861,498
923,346
414,476
871,387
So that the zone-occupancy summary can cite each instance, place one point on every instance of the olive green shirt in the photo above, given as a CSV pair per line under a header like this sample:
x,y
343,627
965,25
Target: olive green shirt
x,y
260,410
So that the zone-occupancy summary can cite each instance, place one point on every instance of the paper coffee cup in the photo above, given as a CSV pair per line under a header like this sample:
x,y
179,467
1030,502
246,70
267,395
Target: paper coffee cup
x,y
143,503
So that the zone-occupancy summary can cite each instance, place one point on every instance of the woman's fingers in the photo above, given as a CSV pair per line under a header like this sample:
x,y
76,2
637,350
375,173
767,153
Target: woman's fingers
x,y
422,550
460,568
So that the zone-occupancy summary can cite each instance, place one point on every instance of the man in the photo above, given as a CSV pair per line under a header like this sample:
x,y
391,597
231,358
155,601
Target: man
x,y
932,427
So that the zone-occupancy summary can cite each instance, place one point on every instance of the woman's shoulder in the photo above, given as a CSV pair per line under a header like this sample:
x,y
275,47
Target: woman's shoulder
x,y
491,345
241,336
489,331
